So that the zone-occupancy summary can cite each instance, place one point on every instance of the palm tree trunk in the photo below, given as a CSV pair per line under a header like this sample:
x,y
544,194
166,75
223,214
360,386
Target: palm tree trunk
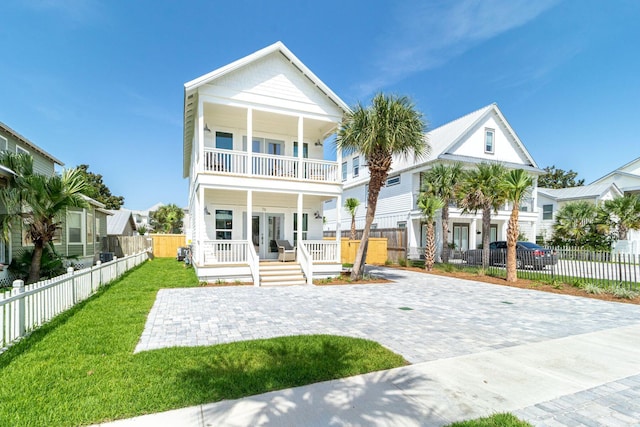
x,y
430,253
353,227
445,232
36,260
486,235
376,180
512,238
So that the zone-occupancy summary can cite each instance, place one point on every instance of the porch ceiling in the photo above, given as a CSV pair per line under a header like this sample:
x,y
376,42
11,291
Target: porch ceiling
x,y
265,122
260,199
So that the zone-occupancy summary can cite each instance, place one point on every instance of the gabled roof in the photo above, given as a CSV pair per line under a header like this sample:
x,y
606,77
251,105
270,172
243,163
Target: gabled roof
x,y
581,192
446,137
191,87
619,171
117,222
29,144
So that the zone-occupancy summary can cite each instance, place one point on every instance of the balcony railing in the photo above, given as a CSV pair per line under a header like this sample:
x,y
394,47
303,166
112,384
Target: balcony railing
x,y
228,162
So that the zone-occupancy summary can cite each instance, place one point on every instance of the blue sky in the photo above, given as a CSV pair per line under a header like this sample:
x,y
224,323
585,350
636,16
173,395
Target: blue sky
x,y
101,82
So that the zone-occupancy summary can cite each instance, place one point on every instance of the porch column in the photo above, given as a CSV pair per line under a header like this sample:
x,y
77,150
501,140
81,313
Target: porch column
x,y
249,216
300,146
338,226
473,236
202,232
249,170
200,139
299,227
339,161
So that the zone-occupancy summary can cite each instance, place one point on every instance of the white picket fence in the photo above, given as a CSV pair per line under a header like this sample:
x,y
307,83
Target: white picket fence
x,y
25,308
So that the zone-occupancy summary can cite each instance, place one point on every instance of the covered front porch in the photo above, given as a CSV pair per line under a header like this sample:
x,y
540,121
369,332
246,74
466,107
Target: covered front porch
x,y
237,232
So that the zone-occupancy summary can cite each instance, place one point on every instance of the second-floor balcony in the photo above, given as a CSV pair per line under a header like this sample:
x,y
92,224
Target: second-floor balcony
x,y
241,163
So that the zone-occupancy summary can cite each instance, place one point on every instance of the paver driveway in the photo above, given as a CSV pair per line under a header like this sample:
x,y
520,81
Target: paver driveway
x,y
419,316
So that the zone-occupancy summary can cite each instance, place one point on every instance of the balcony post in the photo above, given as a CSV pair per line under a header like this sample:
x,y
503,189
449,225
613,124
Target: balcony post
x,y
249,141
300,146
249,225
200,139
338,227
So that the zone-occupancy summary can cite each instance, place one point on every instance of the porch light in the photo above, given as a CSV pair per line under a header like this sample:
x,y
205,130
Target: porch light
x,y
206,128
206,211
317,215
318,143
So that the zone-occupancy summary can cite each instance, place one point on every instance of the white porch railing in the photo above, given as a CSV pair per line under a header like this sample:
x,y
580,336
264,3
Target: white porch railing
x,y
225,252
265,165
306,263
321,250
25,308
254,264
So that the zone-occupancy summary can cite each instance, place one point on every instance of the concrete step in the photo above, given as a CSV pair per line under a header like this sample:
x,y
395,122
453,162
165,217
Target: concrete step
x,y
281,274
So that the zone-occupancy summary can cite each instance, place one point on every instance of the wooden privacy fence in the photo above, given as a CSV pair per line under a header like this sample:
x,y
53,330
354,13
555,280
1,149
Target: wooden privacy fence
x,y
127,245
396,241
166,245
25,308
376,252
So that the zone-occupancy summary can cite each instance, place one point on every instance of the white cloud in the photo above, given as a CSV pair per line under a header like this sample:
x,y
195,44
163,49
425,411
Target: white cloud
x,y
425,35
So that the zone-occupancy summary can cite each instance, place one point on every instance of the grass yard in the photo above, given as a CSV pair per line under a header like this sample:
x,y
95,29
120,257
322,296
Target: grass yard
x,y
80,368
496,420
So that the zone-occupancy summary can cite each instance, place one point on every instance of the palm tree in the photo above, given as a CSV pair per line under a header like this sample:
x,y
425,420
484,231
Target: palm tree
x,y
481,189
38,203
573,222
442,181
391,126
622,214
351,204
516,184
429,205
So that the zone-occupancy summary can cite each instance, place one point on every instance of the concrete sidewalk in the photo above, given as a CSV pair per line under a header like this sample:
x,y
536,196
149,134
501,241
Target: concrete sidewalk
x,y
587,379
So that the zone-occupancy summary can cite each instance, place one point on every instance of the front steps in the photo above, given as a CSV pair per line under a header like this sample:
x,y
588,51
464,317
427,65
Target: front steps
x,y
281,274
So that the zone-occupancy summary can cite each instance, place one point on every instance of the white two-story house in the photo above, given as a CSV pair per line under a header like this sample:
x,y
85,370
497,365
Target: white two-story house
x,y
253,153
481,136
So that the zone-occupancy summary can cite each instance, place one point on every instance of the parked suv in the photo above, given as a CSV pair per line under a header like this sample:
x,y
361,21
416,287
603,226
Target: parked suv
x,y
527,254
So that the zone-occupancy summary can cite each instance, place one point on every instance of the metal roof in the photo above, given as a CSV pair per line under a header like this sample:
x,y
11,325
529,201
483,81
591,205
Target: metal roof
x,y
581,192
117,222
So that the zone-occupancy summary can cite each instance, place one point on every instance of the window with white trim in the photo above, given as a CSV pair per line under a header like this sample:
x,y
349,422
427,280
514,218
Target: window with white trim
x,y
74,228
489,136
547,211
344,171
305,227
402,224
394,180
356,166
4,143
90,228
224,224
20,150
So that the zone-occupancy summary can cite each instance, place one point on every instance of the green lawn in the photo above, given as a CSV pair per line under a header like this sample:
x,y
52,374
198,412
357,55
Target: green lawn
x,y
497,420
80,368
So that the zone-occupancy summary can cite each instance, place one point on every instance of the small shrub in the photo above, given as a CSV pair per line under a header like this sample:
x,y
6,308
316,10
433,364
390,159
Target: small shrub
x,y
388,262
481,272
592,288
203,283
449,268
402,262
620,292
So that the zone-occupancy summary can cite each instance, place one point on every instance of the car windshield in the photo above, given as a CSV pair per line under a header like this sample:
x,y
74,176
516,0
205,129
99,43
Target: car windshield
x,y
529,245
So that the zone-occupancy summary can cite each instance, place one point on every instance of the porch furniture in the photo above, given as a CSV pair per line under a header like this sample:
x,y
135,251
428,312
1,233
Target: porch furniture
x,y
286,252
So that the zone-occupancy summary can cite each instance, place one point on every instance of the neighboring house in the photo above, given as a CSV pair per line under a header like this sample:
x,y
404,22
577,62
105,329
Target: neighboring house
x,y
627,178
550,200
121,223
481,136
142,217
253,135
81,233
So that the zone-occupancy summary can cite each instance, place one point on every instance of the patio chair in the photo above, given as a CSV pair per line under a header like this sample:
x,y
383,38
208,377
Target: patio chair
x,y
286,252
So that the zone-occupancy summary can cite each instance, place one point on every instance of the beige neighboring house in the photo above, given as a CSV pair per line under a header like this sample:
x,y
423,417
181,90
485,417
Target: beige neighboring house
x,y
253,153
550,200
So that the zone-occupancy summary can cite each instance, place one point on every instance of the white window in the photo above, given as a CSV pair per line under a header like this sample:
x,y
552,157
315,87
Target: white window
x,y
344,171
224,224
4,144
20,150
356,166
547,211
74,227
489,135
90,228
394,180
402,224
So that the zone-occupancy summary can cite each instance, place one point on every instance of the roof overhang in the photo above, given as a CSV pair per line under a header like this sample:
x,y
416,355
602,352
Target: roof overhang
x,y
29,144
